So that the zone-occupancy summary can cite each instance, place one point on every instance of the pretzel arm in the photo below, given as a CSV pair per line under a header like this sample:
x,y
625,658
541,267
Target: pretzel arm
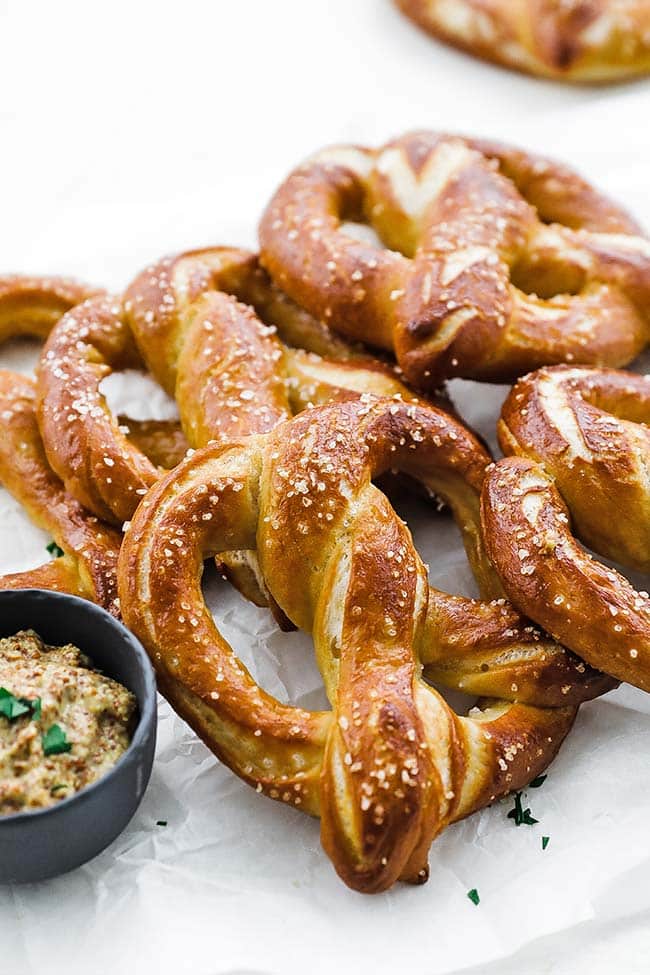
x,y
489,649
90,548
273,746
33,305
585,605
83,440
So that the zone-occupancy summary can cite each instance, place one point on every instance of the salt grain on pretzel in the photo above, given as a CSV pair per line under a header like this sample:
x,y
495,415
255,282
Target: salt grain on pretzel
x,y
391,765
470,280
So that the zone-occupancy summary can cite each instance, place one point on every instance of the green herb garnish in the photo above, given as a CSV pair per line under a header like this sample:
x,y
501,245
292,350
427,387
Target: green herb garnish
x,y
13,707
520,815
58,787
161,822
545,841
540,780
54,549
54,741
473,896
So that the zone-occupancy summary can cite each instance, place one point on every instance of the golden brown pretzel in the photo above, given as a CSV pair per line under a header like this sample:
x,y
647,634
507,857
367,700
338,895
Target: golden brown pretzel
x,y
572,40
228,371
392,764
582,450
470,281
88,566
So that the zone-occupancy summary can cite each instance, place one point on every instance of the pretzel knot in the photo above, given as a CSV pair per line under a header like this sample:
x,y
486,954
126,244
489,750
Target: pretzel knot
x,y
581,445
470,280
391,765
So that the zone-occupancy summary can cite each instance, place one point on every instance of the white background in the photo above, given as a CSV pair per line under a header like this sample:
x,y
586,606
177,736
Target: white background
x,y
128,130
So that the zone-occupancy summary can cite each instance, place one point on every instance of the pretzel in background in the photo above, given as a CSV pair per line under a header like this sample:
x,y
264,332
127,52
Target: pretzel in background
x,y
469,279
578,40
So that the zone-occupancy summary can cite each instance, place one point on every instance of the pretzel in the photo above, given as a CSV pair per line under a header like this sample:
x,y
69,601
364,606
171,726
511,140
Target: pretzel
x,y
582,447
571,40
88,566
391,765
471,282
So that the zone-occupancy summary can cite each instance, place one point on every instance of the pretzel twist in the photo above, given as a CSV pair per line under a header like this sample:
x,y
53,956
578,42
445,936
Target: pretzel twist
x,y
470,281
578,40
32,305
581,446
392,764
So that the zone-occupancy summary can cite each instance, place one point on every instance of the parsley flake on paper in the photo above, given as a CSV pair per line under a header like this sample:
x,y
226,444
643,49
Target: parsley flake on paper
x,y
540,780
55,741
54,549
473,896
545,841
521,816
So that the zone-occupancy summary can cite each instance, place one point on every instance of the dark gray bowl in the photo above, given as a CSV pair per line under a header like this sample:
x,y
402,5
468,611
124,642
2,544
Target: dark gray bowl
x,y
46,842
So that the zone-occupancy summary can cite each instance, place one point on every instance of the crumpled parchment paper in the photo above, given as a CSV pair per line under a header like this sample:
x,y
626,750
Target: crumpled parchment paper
x,y
236,883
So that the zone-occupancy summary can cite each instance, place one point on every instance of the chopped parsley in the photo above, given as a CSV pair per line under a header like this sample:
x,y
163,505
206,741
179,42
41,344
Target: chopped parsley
x,y
545,841
473,896
54,549
55,741
540,780
13,707
161,822
58,787
521,816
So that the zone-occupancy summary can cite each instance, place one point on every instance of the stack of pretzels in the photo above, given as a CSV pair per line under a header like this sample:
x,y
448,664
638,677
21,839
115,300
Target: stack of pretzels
x,y
309,381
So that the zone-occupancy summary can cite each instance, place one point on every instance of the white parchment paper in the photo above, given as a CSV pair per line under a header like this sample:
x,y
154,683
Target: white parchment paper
x,y
237,884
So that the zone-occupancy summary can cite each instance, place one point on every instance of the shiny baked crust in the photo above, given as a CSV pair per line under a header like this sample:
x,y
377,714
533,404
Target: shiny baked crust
x,y
472,280
88,565
588,429
391,765
580,447
570,40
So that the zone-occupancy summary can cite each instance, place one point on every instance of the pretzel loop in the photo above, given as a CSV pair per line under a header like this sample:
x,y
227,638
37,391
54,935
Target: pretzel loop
x,y
580,444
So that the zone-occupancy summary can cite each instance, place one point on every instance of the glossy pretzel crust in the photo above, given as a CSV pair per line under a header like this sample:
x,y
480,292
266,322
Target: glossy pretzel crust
x,y
473,279
392,764
570,40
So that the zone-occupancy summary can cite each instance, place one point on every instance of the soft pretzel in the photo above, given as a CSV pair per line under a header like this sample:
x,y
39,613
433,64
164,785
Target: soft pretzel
x,y
582,448
392,764
572,40
88,565
471,282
